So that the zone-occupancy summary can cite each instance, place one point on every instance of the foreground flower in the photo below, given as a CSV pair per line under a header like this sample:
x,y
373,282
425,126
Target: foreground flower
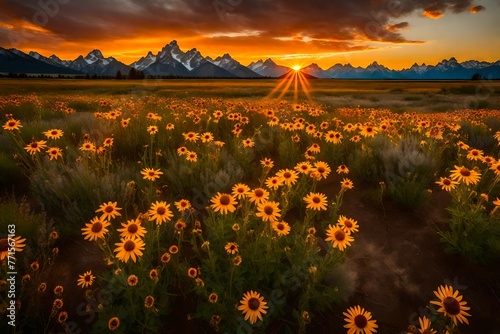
x,y
464,174
151,174
96,229
258,195
268,211
240,190
86,279
322,169
129,248
223,203
54,153
160,211
113,323
287,176
282,228
348,225
338,237
87,146
496,168
266,162
62,317
132,280
152,129
109,210
191,156
359,321
182,205
149,301
316,201
53,133
132,228
273,182
35,146
231,248
253,306
16,243
425,326
12,125
451,305
447,184
346,184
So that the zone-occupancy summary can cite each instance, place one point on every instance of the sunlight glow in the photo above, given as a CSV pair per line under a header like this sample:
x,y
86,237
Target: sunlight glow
x,y
300,83
296,68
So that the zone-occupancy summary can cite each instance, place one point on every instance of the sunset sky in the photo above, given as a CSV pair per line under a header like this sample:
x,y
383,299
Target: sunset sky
x,y
396,33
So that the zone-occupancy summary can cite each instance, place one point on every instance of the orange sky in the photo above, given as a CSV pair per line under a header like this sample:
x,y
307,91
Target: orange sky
x,y
288,31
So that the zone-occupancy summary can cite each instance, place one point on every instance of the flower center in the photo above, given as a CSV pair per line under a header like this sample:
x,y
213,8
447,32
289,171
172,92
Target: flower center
x,y
316,199
133,228
129,245
224,200
348,223
320,170
151,173
287,175
268,210
109,209
161,210
339,235
360,321
280,227
96,227
446,182
259,193
465,172
451,305
87,278
4,245
253,304
34,145
12,124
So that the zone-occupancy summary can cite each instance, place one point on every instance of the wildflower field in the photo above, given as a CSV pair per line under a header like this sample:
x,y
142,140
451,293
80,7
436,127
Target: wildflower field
x,y
205,207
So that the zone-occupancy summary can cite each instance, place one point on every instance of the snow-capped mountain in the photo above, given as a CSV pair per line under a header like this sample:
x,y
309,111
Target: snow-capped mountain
x,y
94,63
144,62
229,64
268,68
168,62
172,61
192,59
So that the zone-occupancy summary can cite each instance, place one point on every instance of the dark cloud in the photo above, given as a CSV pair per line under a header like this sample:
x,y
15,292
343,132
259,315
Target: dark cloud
x,y
476,9
319,20
398,26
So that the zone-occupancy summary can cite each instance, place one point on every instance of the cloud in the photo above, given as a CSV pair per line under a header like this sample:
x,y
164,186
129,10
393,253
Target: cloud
x,y
433,14
398,26
476,9
316,22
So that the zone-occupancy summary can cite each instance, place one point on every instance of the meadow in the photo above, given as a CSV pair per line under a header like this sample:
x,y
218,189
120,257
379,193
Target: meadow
x,y
206,206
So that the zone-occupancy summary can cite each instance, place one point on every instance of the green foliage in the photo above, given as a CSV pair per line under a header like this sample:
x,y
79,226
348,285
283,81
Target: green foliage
x,y
474,230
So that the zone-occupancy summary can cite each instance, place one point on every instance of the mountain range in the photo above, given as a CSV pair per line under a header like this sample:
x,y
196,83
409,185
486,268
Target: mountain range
x,y
171,61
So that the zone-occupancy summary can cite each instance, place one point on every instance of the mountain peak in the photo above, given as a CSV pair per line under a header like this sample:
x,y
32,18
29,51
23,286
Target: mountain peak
x,y
173,42
96,53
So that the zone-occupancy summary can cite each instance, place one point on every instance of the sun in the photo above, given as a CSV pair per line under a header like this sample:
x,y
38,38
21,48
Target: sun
x,y
296,68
